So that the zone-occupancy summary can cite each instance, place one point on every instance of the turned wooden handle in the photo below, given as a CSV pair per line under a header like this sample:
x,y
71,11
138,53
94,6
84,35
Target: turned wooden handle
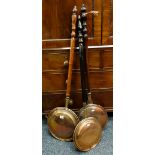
x,y
85,52
71,58
81,48
85,35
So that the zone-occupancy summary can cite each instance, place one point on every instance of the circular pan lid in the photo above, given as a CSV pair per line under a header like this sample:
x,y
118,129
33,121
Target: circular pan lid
x,y
94,110
61,123
87,134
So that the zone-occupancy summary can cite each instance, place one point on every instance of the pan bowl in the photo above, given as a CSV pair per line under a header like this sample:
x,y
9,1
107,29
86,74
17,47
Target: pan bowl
x,y
94,110
61,123
87,134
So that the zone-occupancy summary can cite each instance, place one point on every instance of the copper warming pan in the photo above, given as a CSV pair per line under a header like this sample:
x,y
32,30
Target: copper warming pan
x,y
90,110
88,131
61,120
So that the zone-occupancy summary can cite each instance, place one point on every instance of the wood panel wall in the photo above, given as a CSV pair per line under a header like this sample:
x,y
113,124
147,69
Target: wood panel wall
x,y
56,29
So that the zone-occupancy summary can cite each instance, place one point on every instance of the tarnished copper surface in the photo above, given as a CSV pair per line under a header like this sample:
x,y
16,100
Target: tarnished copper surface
x,y
87,134
62,122
94,110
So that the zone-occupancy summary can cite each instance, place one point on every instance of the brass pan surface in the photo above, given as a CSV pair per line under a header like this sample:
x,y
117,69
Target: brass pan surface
x,y
62,122
94,110
87,134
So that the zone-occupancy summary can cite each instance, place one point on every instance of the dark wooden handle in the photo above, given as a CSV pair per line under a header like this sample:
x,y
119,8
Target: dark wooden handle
x,y
71,59
81,49
85,53
85,39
